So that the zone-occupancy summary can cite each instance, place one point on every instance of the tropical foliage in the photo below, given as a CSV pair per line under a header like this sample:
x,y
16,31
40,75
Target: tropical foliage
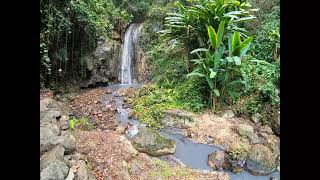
x,y
69,30
203,54
218,70
214,57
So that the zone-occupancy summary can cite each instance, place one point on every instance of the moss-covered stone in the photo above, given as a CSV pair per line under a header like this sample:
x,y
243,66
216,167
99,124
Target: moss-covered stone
x,y
261,160
152,143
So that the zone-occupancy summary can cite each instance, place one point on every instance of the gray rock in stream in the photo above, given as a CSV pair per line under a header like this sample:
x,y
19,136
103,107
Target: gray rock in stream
x,y
216,160
152,143
261,160
178,118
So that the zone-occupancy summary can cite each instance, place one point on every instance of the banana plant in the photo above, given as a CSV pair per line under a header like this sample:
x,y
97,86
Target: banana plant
x,y
236,51
189,23
209,67
215,68
237,48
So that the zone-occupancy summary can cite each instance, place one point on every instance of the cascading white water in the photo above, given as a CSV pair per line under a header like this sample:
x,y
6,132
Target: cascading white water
x,y
128,52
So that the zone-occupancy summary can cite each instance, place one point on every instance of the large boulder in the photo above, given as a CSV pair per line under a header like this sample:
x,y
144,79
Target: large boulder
x,y
245,130
216,160
56,170
66,140
261,160
52,165
82,173
152,143
55,154
178,118
51,110
50,116
48,134
64,122
70,175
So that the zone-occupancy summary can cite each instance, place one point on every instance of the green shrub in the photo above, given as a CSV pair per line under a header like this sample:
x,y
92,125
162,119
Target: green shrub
x,y
82,123
267,42
192,94
261,92
151,102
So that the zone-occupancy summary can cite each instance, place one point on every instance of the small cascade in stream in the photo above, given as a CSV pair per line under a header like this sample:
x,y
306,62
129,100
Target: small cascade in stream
x,y
129,53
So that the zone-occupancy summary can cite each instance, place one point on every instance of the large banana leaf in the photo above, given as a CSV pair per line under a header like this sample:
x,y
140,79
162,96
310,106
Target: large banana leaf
x,y
236,41
212,36
217,57
244,47
220,32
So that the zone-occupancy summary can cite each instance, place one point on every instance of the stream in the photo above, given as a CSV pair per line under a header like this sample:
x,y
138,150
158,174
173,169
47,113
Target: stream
x,y
193,155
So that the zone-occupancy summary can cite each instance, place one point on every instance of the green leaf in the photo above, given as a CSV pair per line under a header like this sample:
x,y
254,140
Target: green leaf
x,y
210,83
209,58
212,36
195,74
220,32
198,50
244,19
244,47
181,8
229,59
230,44
217,56
237,60
212,73
236,41
233,13
216,92
196,61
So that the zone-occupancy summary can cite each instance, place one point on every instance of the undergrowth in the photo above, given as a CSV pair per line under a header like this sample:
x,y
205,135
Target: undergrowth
x,y
82,123
164,170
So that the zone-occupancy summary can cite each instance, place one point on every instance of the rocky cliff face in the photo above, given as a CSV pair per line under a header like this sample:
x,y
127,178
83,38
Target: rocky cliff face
x,y
104,63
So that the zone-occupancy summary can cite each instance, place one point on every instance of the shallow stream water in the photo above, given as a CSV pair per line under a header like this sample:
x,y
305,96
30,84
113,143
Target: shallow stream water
x,y
193,155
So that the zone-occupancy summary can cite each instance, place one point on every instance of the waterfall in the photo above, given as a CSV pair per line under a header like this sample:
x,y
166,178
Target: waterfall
x,y
129,53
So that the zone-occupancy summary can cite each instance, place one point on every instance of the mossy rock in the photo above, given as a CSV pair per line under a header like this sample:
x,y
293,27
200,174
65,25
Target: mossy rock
x,y
261,160
151,142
